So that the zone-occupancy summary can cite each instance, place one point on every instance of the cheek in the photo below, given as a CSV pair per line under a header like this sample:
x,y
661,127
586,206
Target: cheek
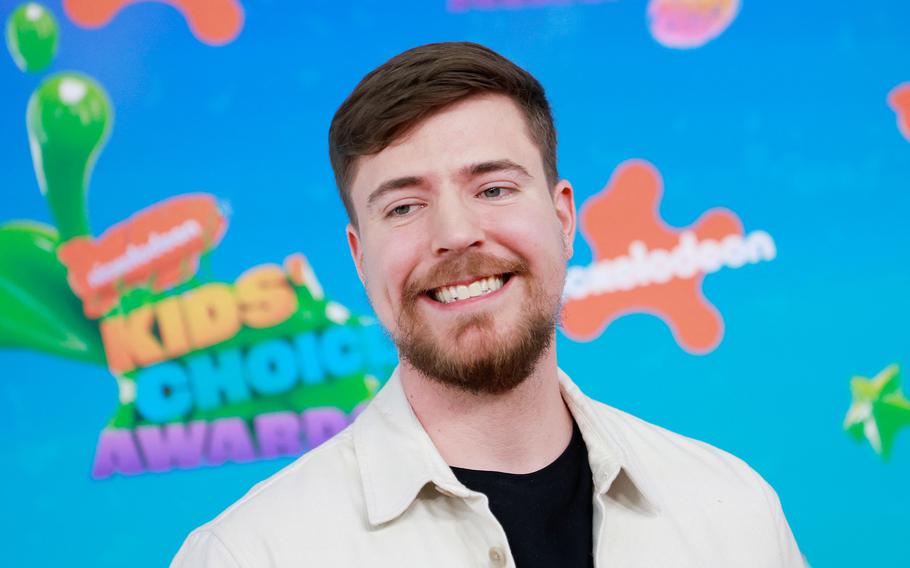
x,y
536,235
535,232
389,262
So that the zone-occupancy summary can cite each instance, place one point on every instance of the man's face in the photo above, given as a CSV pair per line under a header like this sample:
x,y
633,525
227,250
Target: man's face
x,y
462,245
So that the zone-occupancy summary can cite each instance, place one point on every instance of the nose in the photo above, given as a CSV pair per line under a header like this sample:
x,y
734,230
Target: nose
x,y
455,228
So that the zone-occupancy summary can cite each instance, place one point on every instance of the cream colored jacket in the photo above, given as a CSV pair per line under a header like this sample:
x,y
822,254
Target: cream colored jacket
x,y
379,494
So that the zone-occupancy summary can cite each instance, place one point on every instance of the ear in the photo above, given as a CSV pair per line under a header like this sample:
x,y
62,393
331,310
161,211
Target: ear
x,y
356,250
564,202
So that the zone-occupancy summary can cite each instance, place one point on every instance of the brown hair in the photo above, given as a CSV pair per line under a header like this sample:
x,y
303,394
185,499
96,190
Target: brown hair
x,y
405,90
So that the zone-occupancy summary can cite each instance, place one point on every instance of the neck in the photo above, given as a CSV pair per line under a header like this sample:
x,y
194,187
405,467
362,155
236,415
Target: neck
x,y
519,431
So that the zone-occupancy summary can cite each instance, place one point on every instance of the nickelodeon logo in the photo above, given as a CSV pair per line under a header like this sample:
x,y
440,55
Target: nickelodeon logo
x,y
642,265
158,247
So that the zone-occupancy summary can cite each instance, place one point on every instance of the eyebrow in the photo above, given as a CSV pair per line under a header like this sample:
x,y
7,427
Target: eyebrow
x,y
504,165
392,185
467,172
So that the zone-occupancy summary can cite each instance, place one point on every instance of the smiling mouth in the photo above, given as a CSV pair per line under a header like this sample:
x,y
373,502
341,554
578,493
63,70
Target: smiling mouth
x,y
469,289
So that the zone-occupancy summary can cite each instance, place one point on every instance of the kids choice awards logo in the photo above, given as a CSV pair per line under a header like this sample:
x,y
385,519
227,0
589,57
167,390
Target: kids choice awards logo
x,y
211,372
208,372
642,265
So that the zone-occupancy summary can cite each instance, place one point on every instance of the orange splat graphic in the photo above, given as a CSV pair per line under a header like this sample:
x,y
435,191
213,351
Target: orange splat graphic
x,y
627,210
899,99
684,24
158,247
215,22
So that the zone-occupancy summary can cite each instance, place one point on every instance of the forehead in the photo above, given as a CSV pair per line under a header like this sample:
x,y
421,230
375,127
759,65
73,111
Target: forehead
x,y
474,130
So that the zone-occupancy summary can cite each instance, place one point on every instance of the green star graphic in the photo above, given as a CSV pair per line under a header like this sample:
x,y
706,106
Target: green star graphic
x,y
878,411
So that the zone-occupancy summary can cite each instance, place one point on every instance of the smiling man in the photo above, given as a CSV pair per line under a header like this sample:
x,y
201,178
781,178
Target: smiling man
x,y
479,451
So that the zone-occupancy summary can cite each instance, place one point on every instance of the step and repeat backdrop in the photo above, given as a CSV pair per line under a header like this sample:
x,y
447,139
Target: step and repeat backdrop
x,y
179,317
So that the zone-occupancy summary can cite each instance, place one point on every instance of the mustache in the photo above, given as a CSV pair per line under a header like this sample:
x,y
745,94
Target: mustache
x,y
471,264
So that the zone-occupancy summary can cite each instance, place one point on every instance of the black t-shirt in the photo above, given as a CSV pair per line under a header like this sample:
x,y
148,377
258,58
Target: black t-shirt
x,y
547,514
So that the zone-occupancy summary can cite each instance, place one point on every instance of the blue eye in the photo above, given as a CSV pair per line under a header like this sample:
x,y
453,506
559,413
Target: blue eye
x,y
402,210
495,192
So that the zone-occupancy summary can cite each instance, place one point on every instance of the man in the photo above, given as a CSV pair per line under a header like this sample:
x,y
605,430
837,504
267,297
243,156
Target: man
x,y
479,451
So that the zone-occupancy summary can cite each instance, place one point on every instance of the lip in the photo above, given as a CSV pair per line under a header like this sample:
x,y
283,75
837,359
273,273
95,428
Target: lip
x,y
470,301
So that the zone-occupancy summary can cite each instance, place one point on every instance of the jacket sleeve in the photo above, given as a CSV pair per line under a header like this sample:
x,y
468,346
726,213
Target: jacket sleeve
x,y
203,549
790,556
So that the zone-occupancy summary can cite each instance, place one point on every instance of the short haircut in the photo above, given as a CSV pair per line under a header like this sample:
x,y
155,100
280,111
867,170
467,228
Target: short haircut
x,y
410,87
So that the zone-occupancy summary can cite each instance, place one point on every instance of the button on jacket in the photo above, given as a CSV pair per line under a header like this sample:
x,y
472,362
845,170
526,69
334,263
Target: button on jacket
x,y
379,494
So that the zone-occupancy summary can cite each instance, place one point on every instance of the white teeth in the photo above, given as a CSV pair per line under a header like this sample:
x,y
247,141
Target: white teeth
x,y
479,287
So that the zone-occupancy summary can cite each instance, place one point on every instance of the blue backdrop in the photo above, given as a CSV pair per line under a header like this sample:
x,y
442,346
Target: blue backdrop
x,y
782,119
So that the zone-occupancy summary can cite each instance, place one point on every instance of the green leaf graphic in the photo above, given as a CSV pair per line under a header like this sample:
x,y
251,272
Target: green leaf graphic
x,y
37,308
878,411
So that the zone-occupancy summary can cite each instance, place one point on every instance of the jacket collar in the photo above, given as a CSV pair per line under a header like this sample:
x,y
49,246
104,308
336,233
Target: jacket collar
x,y
397,458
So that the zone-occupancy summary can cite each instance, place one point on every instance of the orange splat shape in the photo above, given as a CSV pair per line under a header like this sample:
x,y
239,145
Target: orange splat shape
x,y
627,210
215,22
159,246
899,100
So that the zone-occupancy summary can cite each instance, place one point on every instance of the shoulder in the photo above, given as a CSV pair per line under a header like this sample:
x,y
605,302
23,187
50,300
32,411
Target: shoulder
x,y
686,469
319,494
661,448
703,489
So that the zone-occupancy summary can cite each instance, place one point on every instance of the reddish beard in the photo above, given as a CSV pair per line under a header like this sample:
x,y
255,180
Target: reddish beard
x,y
498,363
